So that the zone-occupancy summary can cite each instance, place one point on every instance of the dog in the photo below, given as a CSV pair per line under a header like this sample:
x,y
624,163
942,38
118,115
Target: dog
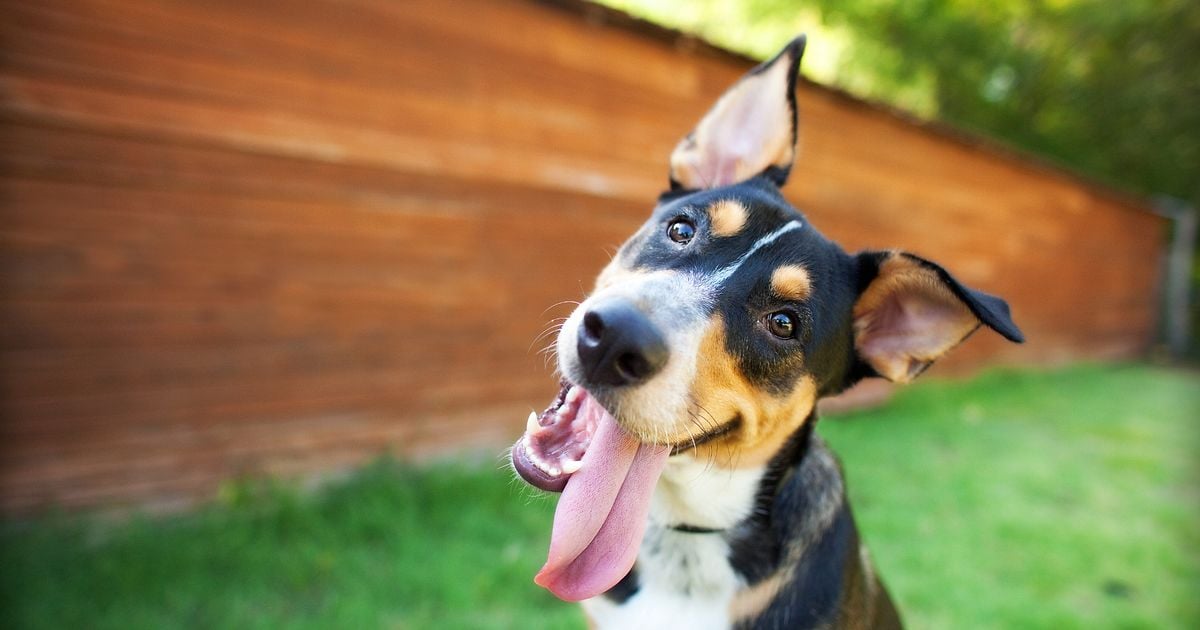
x,y
695,493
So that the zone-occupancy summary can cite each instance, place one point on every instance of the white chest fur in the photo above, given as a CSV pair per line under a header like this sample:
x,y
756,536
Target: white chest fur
x,y
685,580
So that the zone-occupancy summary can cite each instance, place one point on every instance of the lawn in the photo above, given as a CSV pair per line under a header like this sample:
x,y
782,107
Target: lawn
x,y
1066,499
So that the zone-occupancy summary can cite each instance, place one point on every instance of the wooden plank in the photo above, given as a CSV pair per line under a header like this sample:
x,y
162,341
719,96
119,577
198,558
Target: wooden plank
x,y
275,238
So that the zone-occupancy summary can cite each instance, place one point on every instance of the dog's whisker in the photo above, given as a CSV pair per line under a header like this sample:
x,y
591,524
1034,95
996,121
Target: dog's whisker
x,y
560,303
711,426
551,328
549,357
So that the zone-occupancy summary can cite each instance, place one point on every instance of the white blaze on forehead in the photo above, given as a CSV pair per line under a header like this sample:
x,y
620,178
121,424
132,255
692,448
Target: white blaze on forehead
x,y
721,275
668,298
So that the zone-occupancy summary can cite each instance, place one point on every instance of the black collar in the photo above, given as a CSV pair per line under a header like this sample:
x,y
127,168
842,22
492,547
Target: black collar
x,y
692,529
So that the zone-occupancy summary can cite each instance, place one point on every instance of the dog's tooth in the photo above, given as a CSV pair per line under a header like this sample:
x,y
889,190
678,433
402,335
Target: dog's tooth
x,y
540,463
531,425
574,394
571,466
532,455
554,471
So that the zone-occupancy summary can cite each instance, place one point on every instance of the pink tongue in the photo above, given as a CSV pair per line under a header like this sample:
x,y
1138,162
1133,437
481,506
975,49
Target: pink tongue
x,y
601,515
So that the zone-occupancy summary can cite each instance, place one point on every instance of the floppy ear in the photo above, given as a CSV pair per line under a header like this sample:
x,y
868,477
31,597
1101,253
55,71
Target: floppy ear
x,y
750,131
910,312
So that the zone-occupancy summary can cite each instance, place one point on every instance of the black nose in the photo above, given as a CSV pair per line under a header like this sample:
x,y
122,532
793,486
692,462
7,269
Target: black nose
x,y
618,345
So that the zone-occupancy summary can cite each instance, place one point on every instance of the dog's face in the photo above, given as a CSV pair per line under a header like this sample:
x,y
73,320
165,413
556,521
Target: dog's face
x,y
716,328
717,325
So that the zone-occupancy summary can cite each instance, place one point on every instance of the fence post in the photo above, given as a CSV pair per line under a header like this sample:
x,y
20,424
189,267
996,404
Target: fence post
x,y
1177,289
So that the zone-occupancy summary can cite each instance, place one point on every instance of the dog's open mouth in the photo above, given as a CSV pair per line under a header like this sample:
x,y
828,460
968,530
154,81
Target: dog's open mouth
x,y
606,477
554,443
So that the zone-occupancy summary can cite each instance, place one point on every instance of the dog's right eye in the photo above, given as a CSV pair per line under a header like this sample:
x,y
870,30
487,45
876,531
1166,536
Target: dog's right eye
x,y
681,231
782,324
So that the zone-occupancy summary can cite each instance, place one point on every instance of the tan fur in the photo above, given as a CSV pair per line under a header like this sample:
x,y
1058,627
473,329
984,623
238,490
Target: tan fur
x,y
720,393
791,282
727,217
901,360
752,601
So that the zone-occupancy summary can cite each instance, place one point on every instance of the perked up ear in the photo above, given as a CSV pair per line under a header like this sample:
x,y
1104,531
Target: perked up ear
x,y
750,131
910,312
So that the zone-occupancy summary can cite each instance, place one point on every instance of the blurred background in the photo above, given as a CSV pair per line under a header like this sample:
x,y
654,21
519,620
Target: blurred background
x,y
274,276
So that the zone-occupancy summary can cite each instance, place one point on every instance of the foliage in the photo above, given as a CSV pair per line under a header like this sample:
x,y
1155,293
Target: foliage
x,y
1107,88
1065,499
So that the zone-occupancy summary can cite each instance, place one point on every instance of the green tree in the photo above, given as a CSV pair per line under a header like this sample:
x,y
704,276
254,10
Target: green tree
x,y
1107,88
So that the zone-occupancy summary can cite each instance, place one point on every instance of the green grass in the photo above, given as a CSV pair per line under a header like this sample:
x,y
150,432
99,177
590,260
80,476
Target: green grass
x,y
1068,499
1025,500
448,546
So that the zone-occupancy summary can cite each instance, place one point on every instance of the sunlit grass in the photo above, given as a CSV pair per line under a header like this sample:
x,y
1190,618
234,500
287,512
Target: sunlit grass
x,y
1066,499
448,546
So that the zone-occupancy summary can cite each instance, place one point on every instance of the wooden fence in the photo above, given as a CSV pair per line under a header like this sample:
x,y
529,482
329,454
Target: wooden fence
x,y
252,237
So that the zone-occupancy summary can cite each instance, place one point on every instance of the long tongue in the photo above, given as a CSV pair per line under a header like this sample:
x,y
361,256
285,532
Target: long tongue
x,y
601,516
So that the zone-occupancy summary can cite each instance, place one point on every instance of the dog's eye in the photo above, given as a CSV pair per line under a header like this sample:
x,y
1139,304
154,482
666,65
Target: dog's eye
x,y
782,324
681,231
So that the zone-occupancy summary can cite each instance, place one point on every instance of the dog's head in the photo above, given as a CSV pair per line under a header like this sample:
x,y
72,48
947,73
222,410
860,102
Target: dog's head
x,y
718,325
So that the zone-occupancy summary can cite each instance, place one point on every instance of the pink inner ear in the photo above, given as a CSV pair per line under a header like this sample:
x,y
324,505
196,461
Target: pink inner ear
x,y
748,130
911,325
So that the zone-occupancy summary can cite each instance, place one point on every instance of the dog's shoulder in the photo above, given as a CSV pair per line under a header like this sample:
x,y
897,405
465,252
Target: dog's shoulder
x,y
805,566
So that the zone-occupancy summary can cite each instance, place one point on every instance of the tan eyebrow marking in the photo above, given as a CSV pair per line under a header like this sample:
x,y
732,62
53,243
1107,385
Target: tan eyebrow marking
x,y
791,282
727,217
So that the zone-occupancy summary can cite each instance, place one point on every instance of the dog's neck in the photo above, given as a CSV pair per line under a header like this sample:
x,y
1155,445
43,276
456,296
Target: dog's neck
x,y
695,496
713,531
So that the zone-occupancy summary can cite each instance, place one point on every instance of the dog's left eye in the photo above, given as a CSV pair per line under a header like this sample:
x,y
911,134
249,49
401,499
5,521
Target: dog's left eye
x,y
681,231
782,324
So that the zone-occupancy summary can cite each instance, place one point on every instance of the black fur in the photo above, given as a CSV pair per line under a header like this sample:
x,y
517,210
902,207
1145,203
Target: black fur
x,y
756,544
824,347
812,596
626,588
801,532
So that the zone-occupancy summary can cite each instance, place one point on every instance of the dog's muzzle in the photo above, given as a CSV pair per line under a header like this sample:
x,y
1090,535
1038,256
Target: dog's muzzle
x,y
618,345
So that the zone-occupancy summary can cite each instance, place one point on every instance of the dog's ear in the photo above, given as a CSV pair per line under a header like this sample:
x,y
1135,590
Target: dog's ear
x,y
910,312
750,131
